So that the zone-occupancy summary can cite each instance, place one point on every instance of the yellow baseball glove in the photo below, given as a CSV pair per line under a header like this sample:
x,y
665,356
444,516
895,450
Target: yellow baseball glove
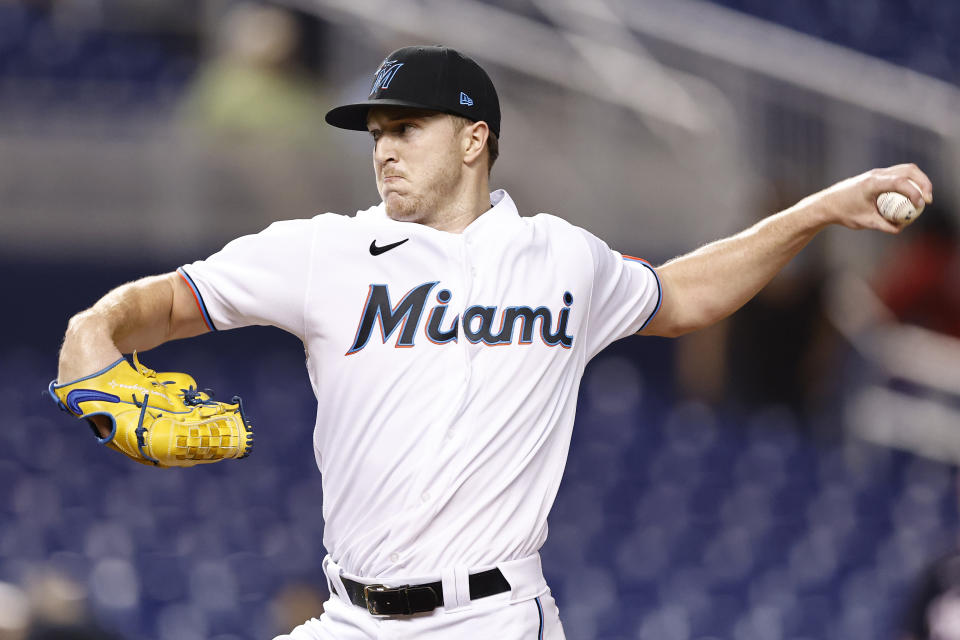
x,y
158,419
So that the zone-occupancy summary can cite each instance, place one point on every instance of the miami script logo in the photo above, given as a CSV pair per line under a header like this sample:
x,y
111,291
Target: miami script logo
x,y
480,324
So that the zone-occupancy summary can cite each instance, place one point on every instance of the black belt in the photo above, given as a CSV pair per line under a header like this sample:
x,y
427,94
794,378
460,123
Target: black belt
x,y
409,599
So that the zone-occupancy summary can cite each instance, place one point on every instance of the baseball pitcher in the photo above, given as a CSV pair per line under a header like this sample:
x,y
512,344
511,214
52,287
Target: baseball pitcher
x,y
446,336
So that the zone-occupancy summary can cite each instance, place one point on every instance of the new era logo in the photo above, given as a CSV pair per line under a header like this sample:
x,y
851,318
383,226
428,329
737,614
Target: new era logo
x,y
465,99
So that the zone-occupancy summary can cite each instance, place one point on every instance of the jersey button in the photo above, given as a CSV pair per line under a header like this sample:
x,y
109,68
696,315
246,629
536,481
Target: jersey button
x,y
425,497
394,558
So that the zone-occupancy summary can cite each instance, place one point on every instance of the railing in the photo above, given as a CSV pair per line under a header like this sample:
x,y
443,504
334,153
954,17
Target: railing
x,y
904,394
657,125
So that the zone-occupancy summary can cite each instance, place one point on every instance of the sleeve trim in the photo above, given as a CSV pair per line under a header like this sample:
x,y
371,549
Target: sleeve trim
x,y
659,288
198,298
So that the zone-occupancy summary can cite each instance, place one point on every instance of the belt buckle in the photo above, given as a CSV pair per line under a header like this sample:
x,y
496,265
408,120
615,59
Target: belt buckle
x,y
386,600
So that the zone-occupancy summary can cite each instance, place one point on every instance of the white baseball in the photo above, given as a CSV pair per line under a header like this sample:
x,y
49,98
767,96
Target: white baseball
x,y
897,208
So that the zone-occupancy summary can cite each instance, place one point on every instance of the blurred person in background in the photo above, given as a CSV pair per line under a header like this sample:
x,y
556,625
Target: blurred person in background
x,y
254,88
777,349
919,278
934,609
60,609
50,607
295,603
254,111
14,612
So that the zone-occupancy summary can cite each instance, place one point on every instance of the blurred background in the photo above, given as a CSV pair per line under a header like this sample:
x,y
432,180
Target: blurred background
x,y
786,475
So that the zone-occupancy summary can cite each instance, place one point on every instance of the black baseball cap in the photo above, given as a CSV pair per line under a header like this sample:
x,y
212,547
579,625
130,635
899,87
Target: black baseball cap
x,y
436,78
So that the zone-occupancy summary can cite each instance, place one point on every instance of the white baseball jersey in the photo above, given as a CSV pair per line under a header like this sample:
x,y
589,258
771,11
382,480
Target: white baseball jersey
x,y
446,368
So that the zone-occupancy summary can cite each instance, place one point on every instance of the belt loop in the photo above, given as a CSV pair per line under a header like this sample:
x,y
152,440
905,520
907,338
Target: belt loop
x,y
448,581
332,569
456,588
463,586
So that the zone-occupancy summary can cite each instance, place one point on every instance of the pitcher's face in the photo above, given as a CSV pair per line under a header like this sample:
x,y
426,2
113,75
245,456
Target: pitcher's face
x,y
417,159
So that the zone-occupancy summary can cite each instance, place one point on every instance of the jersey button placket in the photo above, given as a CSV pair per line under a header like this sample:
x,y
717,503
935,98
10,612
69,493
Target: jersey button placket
x,y
452,392
470,350
467,252
468,272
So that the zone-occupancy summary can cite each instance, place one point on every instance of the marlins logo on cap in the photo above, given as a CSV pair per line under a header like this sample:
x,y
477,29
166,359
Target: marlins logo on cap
x,y
384,75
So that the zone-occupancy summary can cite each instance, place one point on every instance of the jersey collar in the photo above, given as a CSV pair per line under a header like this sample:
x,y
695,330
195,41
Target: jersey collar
x,y
502,213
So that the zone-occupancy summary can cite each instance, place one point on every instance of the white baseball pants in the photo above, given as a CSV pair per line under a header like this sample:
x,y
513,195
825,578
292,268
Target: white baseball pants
x,y
526,612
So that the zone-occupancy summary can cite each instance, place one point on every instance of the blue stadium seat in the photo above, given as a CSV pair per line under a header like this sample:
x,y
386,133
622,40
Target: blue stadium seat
x,y
702,525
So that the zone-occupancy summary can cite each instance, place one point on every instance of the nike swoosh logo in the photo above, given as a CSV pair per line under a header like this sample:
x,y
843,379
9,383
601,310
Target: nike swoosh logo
x,y
75,397
375,250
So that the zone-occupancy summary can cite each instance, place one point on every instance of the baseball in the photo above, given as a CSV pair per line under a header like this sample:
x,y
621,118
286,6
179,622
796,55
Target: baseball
x,y
897,208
